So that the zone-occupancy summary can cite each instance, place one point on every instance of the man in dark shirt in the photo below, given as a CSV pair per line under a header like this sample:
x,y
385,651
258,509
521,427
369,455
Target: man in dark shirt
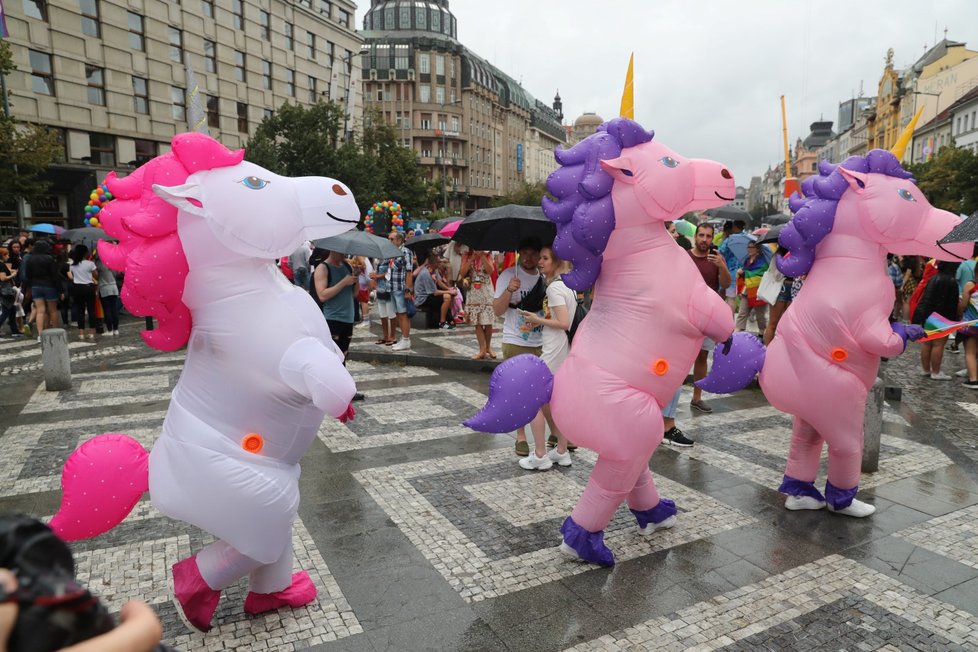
x,y
717,277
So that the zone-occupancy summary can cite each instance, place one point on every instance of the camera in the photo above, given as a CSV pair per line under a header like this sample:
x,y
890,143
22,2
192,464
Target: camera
x,y
55,610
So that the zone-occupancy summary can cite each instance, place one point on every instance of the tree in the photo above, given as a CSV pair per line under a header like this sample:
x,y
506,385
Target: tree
x,y
527,194
950,180
26,150
308,141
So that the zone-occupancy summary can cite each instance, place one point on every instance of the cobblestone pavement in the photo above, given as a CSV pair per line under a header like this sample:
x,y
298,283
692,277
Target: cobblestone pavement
x,y
421,534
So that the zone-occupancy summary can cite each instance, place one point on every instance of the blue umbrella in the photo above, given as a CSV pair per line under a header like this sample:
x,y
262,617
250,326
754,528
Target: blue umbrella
x,y
737,244
52,229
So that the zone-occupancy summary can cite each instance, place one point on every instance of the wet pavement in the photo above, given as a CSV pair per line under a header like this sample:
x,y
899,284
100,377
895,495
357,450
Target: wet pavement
x,y
421,534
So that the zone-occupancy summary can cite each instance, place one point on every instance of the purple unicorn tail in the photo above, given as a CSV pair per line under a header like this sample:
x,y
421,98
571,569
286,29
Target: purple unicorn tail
x,y
101,482
518,388
735,364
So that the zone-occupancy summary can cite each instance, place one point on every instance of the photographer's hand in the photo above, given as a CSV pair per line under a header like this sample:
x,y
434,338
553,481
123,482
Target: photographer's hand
x,y
8,610
139,631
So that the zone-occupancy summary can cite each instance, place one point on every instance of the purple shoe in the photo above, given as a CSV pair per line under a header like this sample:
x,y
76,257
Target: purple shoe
x,y
660,517
584,545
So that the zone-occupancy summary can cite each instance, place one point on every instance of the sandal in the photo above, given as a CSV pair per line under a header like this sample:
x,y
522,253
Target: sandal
x,y
381,341
491,355
390,342
479,356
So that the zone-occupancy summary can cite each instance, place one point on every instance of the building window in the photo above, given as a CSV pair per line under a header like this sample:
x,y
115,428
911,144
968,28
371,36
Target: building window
x,y
237,11
266,75
455,124
405,17
401,53
426,121
267,114
140,95
96,85
89,18
36,9
290,83
240,70
311,45
289,36
42,77
436,20
424,63
207,6
145,150
439,65
136,32
343,18
264,22
420,18
242,118
312,89
326,8
213,112
102,148
440,94
176,45
425,96
179,104
210,59
329,49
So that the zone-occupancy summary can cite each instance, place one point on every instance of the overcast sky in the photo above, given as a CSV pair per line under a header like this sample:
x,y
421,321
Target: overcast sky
x,y
708,74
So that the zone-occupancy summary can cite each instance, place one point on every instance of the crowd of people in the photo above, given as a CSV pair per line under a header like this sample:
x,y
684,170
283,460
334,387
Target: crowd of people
x,y
46,283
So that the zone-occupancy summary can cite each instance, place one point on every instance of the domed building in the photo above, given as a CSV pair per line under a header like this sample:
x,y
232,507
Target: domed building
x,y
586,125
475,129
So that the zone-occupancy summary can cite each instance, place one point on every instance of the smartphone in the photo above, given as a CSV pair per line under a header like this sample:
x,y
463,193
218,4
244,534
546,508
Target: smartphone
x,y
713,249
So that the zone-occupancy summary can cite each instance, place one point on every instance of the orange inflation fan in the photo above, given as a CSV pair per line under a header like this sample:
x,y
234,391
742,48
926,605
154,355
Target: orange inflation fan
x,y
660,367
839,354
253,443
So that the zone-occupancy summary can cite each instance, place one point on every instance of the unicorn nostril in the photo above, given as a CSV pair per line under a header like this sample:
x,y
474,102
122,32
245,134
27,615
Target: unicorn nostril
x,y
338,189
725,173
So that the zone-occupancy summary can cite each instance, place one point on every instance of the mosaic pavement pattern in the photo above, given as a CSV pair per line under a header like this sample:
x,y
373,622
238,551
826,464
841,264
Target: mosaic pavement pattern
x,y
133,561
953,535
831,604
28,358
485,546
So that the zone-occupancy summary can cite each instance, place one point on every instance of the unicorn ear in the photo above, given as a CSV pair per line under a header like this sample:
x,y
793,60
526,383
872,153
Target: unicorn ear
x,y
620,169
856,180
185,197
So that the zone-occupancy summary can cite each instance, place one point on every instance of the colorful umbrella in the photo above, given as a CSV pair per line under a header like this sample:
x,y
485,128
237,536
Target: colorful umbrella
x,y
449,229
52,229
685,228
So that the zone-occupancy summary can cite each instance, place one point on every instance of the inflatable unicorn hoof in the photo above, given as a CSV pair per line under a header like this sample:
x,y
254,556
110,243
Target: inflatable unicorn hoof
x,y
584,545
660,517
302,591
197,600
797,503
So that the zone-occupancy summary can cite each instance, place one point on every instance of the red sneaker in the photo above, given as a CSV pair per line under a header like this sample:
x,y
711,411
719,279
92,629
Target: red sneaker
x,y
301,592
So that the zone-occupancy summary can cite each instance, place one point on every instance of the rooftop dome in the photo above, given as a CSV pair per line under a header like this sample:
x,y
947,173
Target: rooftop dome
x,y
431,16
589,119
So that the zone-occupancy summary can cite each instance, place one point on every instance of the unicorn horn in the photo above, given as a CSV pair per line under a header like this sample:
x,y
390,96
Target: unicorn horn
x,y
904,139
628,95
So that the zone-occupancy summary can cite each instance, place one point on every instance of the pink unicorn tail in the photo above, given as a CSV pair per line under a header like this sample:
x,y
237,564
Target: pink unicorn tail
x,y
101,482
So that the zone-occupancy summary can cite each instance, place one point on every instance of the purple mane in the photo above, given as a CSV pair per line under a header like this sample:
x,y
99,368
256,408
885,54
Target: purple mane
x,y
583,212
815,211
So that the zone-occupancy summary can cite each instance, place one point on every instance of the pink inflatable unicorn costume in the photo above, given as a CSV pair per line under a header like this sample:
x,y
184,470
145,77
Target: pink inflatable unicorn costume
x,y
650,315
199,230
826,354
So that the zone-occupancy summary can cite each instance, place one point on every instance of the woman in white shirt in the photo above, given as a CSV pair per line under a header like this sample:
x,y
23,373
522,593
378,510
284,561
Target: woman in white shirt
x,y
84,279
558,314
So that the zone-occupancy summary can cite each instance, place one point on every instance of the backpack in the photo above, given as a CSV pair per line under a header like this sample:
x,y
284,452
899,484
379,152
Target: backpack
x,y
579,314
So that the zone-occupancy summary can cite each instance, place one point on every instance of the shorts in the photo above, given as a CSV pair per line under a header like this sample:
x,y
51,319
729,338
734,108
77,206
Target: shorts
x,y
400,303
363,296
708,344
785,293
385,307
41,293
512,350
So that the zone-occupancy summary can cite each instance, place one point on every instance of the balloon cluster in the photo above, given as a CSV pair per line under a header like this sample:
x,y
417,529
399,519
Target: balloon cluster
x,y
390,207
97,200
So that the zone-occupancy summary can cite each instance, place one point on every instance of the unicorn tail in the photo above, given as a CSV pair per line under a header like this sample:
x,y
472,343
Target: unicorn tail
x,y
518,388
735,364
101,482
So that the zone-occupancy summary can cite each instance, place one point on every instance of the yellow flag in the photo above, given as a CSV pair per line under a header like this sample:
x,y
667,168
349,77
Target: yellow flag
x,y
628,95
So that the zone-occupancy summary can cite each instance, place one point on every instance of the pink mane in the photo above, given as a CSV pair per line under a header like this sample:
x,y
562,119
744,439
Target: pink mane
x,y
149,250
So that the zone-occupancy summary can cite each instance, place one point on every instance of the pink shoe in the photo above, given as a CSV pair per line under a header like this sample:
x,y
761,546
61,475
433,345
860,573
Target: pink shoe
x,y
302,591
196,598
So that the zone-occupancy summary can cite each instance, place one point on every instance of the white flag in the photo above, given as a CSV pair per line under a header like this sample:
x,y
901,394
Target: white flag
x,y
196,115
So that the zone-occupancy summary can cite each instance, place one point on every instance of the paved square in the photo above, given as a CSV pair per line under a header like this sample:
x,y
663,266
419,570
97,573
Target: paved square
x,y
484,553
953,535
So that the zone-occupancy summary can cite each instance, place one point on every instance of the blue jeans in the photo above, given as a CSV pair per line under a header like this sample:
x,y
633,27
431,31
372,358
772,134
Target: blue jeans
x,y
110,306
669,411
400,304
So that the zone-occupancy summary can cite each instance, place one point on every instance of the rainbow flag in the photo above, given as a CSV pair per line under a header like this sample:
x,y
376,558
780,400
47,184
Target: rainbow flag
x,y
4,32
938,326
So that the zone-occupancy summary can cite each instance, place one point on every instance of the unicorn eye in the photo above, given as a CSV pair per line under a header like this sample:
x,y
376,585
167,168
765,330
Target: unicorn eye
x,y
669,161
905,194
254,183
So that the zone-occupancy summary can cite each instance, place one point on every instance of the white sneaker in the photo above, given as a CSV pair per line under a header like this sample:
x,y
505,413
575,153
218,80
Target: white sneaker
x,y
558,459
115,333
402,344
653,527
858,508
940,376
533,463
795,503
961,373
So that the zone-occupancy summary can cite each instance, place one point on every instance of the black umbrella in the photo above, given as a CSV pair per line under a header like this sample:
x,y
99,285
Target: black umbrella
x,y
776,219
730,213
426,241
87,235
967,231
771,235
503,228
360,243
